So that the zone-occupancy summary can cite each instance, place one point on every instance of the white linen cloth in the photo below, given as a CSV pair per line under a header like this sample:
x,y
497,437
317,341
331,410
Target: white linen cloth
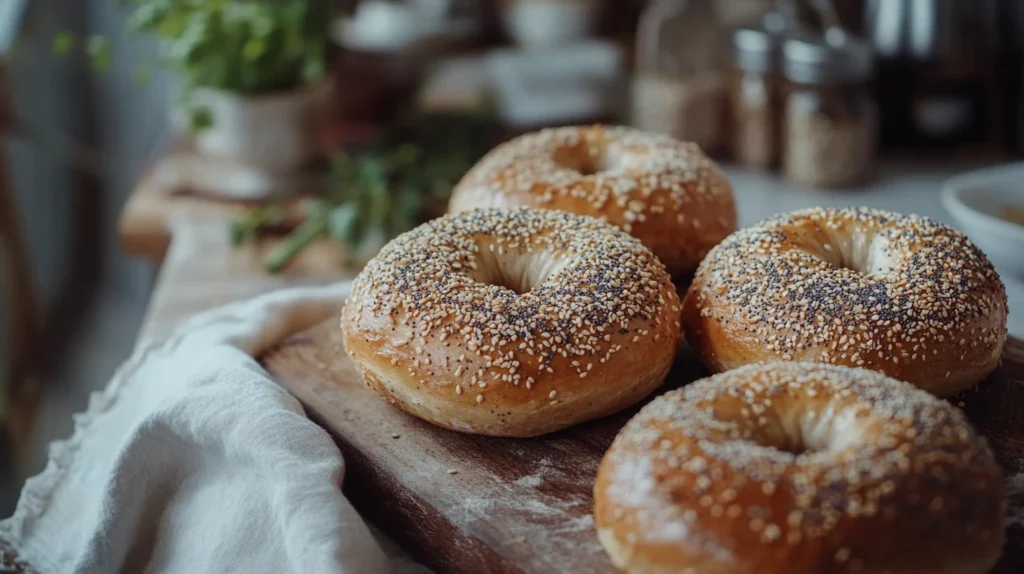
x,y
194,460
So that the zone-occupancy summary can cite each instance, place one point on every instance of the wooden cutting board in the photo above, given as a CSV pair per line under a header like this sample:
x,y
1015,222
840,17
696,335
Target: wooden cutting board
x,y
472,504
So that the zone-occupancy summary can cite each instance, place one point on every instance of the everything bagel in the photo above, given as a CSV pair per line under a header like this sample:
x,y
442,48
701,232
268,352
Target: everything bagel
x,y
512,322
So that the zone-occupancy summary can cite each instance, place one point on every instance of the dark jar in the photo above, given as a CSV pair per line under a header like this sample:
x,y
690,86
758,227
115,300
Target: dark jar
x,y
755,95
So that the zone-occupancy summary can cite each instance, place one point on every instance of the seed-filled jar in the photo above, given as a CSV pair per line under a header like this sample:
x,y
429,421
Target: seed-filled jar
x,y
679,86
755,93
831,119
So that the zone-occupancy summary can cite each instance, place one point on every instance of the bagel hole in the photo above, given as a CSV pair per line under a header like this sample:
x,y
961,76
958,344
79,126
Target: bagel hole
x,y
582,161
861,251
794,444
801,431
518,272
518,284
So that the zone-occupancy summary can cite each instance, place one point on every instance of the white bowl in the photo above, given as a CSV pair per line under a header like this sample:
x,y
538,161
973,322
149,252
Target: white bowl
x,y
543,23
975,201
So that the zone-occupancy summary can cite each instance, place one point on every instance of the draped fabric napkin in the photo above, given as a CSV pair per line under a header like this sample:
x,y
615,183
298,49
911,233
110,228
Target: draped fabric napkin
x,y
194,460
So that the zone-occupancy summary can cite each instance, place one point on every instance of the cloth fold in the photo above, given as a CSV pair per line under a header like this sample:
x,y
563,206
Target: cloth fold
x,y
194,460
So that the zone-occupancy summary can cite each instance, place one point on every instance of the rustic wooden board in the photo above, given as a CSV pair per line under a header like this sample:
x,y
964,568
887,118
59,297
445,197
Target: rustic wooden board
x,y
524,505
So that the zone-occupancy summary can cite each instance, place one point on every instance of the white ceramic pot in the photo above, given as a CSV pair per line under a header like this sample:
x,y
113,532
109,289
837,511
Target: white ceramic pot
x,y
535,23
277,133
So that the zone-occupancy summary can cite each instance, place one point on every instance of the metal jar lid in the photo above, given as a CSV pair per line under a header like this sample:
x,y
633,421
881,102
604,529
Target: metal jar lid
x,y
756,47
834,57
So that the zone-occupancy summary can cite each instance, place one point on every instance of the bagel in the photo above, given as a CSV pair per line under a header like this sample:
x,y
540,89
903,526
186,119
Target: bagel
x,y
664,192
800,468
898,294
512,322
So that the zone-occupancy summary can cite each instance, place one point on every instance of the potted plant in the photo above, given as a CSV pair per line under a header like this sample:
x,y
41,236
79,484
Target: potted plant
x,y
254,74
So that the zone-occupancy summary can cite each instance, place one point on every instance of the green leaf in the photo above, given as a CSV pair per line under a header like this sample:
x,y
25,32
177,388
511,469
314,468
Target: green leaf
x,y
342,221
372,170
316,207
143,74
379,205
370,242
406,156
63,43
343,166
313,70
99,52
253,49
238,232
143,17
263,26
275,215
200,118
407,211
297,240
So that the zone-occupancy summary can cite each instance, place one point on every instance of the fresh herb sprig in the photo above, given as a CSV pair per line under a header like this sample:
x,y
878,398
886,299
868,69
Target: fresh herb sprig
x,y
387,188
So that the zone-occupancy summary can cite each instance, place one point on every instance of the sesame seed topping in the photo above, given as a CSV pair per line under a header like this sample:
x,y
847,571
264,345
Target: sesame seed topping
x,y
494,326
876,447
625,176
888,287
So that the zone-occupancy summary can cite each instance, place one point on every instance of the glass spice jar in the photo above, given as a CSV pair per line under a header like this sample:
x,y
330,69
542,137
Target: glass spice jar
x,y
679,86
831,118
755,93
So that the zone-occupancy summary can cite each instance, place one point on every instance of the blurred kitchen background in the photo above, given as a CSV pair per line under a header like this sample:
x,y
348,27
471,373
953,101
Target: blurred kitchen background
x,y
112,111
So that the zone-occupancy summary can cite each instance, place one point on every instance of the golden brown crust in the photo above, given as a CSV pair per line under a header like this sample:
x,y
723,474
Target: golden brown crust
x,y
902,295
665,192
795,468
434,327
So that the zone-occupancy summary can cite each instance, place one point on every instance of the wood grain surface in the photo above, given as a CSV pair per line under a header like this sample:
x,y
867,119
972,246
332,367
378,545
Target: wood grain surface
x,y
202,271
145,225
472,504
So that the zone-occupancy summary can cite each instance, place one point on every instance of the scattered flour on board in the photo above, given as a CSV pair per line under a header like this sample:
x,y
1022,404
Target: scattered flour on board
x,y
544,471
567,522
530,481
483,507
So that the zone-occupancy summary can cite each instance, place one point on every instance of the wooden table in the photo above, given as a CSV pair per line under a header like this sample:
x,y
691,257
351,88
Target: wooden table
x,y
154,206
187,236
